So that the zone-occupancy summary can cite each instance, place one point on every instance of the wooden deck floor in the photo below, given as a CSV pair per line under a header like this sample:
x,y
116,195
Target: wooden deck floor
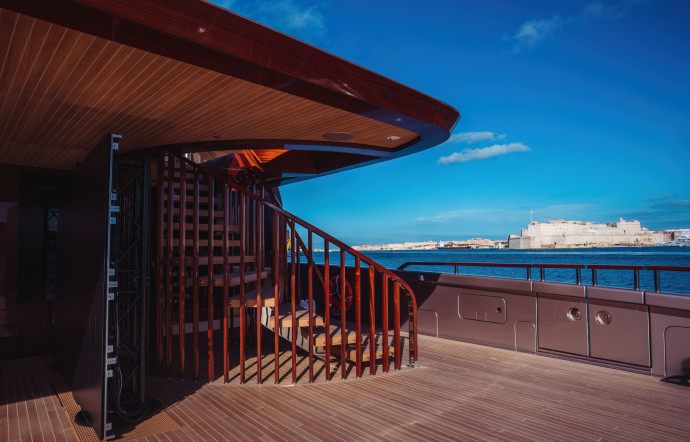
x,y
458,391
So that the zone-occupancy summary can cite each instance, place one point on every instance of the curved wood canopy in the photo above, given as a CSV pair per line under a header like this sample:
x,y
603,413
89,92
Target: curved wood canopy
x,y
193,76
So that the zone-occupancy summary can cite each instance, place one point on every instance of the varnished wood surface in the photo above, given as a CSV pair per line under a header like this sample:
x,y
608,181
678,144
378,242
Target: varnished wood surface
x,y
29,406
72,73
458,392
61,90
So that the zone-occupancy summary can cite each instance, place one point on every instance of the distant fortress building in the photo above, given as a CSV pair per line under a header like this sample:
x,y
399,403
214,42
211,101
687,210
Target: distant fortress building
x,y
558,233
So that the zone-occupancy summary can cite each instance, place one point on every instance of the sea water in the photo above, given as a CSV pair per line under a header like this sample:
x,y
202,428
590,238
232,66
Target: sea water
x,y
671,281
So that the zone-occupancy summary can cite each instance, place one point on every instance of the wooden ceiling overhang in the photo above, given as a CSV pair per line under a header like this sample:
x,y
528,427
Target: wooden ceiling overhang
x,y
191,76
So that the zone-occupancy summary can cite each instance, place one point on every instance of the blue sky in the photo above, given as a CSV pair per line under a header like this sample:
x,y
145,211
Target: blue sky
x,y
574,109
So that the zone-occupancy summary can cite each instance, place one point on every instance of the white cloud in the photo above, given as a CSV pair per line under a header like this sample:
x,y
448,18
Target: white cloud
x,y
285,15
482,153
473,137
566,211
533,31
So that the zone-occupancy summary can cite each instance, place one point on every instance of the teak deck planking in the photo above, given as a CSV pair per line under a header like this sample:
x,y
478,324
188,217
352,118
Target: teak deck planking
x,y
457,391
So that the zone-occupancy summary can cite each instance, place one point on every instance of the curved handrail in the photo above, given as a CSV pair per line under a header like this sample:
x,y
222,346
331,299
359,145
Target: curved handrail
x,y
331,239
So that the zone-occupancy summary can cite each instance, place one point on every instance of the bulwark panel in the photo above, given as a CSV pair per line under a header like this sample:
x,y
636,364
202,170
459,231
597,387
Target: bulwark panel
x,y
619,332
562,323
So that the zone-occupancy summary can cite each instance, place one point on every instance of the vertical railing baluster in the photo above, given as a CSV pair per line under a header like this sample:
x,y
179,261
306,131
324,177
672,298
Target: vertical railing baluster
x,y
396,325
211,277
384,322
258,260
293,290
343,324
327,308
242,235
276,290
358,316
310,285
226,277
657,281
195,278
372,321
181,266
169,267
162,182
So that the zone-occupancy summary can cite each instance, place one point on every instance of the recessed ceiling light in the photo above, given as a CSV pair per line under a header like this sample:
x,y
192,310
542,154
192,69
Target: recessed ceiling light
x,y
397,119
338,136
393,138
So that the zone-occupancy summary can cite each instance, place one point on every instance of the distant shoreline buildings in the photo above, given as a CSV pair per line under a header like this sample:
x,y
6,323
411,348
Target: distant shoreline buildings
x,y
562,234
557,234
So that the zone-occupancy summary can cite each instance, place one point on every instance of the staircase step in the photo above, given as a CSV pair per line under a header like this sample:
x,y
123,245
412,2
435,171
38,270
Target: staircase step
x,y
234,279
351,349
285,317
203,260
189,242
203,227
202,212
320,336
267,298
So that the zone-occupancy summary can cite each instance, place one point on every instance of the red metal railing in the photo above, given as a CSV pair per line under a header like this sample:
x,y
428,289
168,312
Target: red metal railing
x,y
233,210
577,267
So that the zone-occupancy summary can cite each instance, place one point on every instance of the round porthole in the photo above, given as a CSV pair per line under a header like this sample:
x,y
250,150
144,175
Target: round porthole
x,y
574,314
603,317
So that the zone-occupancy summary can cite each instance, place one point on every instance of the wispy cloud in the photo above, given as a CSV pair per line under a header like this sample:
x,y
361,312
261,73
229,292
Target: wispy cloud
x,y
530,33
485,215
567,211
661,198
482,153
307,23
533,31
474,137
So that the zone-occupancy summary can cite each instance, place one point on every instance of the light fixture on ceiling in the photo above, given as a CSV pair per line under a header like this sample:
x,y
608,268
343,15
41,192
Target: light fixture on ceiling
x,y
393,138
397,119
338,136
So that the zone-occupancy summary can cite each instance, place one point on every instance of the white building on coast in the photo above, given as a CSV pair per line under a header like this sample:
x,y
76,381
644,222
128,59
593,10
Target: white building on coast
x,y
558,233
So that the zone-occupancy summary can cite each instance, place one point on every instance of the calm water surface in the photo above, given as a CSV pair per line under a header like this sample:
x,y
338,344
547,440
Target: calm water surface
x,y
672,282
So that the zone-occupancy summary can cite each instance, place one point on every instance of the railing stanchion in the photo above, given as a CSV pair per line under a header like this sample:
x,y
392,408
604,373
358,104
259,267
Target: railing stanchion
x,y
541,273
226,277
181,264
293,290
327,308
456,269
578,276
276,292
258,262
343,315
384,321
211,279
310,284
195,280
396,324
657,281
242,235
372,321
636,279
358,316
594,277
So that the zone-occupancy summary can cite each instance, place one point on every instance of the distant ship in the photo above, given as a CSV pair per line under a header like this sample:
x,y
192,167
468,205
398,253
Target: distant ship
x,y
442,246
683,241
